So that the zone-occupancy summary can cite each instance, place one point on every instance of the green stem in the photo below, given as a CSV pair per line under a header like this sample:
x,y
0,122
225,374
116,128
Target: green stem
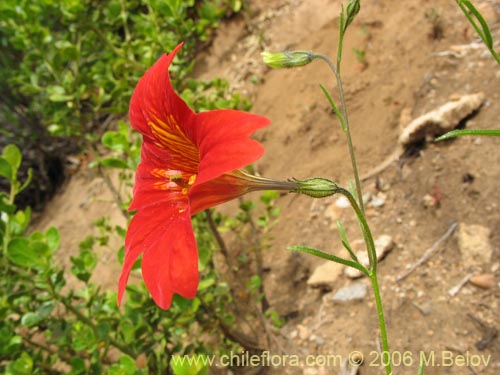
x,y
365,229
386,357
372,255
345,123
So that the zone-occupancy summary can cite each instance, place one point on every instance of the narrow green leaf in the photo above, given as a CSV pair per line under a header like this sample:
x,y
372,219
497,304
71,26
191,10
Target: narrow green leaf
x,y
345,241
462,132
330,257
486,35
421,366
335,109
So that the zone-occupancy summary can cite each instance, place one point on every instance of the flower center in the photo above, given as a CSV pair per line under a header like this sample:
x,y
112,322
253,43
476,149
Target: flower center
x,y
175,180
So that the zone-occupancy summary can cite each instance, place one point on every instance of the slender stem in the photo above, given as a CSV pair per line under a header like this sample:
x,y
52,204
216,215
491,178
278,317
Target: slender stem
x,y
347,128
386,357
372,255
365,229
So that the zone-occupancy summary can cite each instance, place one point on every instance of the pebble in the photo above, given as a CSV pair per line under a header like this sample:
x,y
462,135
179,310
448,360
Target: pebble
x,y
303,331
474,244
352,292
383,244
485,280
378,200
325,274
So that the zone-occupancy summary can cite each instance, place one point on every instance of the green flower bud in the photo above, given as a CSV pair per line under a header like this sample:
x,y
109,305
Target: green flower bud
x,y
287,59
353,8
315,187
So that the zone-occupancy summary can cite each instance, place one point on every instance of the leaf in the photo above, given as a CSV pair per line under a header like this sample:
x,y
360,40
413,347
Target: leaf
x,y
330,257
21,366
462,132
345,241
115,141
5,206
31,319
114,163
12,154
53,238
19,252
26,253
5,169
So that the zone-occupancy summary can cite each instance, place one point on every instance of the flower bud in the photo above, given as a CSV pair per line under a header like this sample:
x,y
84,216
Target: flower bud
x,y
353,8
287,59
316,187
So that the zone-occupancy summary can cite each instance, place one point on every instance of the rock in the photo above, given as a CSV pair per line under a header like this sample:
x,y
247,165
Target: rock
x,y
429,201
474,244
303,331
325,274
352,292
378,200
440,120
383,244
333,212
485,280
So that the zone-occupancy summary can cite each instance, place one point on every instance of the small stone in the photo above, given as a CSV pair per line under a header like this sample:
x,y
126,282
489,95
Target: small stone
x,y
495,267
474,244
303,332
356,291
325,274
333,212
378,200
424,308
383,245
293,334
485,280
428,201
342,202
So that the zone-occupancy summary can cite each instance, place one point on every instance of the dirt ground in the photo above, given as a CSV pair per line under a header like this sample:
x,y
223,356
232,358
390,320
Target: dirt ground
x,y
417,56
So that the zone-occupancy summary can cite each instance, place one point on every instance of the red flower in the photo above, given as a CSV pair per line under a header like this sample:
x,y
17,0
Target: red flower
x,y
189,162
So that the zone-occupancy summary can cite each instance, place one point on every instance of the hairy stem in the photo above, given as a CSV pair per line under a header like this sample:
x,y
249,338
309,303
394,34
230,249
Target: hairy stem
x,y
345,121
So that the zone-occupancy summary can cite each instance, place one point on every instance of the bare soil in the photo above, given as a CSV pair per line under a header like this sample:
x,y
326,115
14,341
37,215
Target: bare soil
x,y
417,56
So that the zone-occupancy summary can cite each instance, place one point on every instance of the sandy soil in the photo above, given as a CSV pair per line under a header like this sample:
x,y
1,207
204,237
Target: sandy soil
x,y
413,63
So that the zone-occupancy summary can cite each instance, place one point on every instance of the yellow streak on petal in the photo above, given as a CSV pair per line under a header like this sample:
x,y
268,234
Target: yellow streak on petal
x,y
192,179
170,136
160,185
182,210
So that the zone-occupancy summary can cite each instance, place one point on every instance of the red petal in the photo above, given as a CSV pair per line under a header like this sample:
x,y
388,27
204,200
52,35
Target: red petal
x,y
222,137
214,192
163,117
170,263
